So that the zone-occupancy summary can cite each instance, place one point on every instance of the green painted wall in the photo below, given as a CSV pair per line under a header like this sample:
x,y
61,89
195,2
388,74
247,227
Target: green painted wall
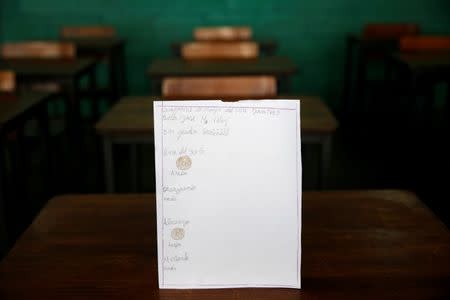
x,y
310,32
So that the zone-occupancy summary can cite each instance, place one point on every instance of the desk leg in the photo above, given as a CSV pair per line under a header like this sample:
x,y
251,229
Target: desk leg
x,y
360,81
44,127
75,138
284,84
3,232
113,82
428,104
109,164
95,98
134,167
288,81
347,78
21,209
410,101
155,86
123,71
73,108
447,103
325,159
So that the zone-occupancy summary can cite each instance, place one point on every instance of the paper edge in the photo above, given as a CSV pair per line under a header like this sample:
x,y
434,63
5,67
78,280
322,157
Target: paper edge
x,y
300,199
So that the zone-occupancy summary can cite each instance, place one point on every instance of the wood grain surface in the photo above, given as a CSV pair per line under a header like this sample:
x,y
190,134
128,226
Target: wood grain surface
x,y
134,115
356,245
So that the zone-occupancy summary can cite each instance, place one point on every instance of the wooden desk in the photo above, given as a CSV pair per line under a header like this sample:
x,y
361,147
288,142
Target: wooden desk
x,y
280,67
15,111
130,121
267,47
356,244
68,73
431,62
423,70
114,51
358,48
43,69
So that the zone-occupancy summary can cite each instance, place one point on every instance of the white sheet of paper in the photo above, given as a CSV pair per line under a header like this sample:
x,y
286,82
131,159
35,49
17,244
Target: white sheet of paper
x,y
228,186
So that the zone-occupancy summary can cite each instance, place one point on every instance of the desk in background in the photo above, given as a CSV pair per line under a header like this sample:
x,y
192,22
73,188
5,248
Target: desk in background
x,y
113,49
15,111
362,50
423,70
267,47
280,67
355,244
130,121
68,73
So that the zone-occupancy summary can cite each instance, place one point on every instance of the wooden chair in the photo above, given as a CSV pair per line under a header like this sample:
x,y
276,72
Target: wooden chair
x,y
69,32
220,50
378,40
38,50
7,82
383,31
219,87
425,44
223,33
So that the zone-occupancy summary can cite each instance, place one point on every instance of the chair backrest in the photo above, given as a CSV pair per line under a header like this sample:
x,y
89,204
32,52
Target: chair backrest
x,y
425,44
223,33
38,50
389,31
219,87
220,50
88,32
7,82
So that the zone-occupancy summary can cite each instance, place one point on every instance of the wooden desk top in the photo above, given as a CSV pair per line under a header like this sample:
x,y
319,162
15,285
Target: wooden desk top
x,y
273,65
95,44
356,245
134,115
268,46
47,67
424,61
14,107
358,38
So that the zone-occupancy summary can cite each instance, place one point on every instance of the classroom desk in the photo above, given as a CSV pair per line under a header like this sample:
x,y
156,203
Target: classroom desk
x,y
130,121
423,69
267,47
66,72
15,111
355,245
280,67
113,49
425,62
360,49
